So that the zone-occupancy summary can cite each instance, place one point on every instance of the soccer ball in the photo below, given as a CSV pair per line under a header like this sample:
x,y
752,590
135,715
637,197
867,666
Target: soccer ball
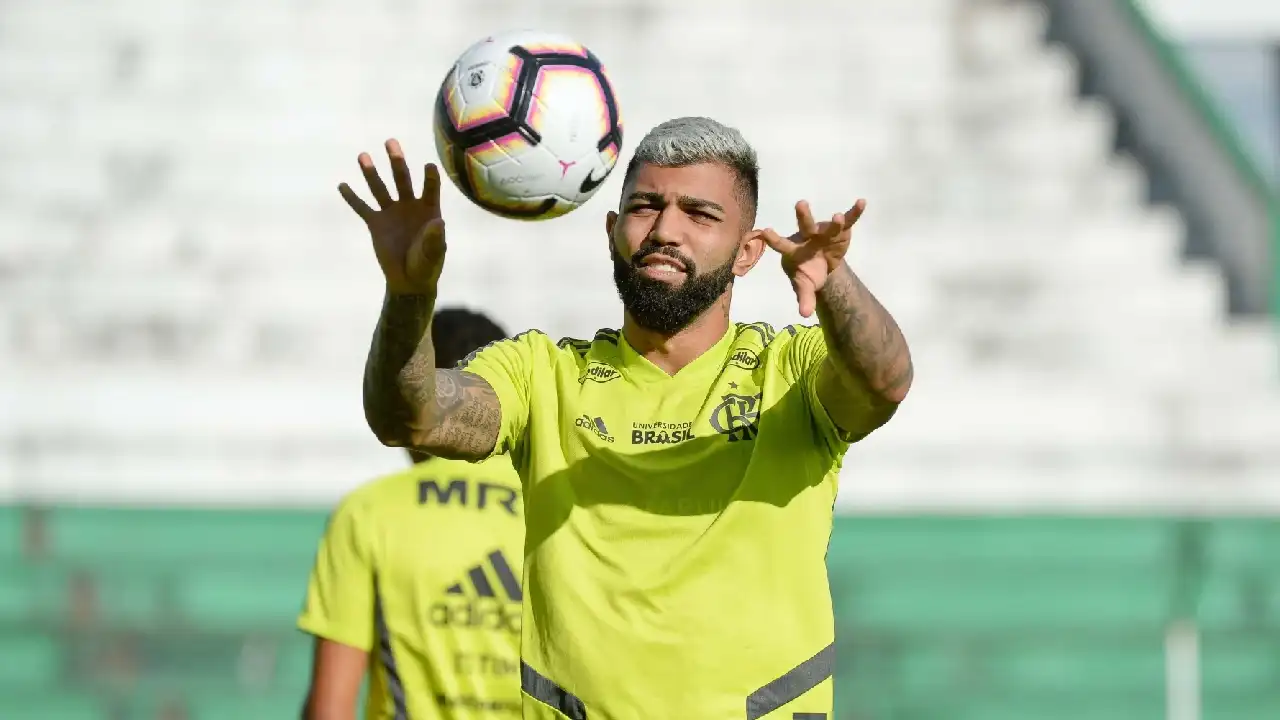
x,y
527,125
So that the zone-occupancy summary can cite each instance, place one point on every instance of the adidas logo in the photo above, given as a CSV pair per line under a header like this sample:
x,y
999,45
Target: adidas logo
x,y
476,603
595,426
479,579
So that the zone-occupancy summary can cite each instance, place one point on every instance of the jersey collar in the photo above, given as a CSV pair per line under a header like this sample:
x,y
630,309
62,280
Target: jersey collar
x,y
638,368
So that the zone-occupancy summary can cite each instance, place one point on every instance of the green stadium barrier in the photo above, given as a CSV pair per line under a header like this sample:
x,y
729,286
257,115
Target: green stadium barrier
x,y
1248,545
266,707
293,664
212,705
11,523
1233,707
892,541
1095,668
1047,666
44,593
203,661
181,536
983,600
1002,575
1051,707
980,618
1241,665
30,659
25,590
1240,583
50,705
220,599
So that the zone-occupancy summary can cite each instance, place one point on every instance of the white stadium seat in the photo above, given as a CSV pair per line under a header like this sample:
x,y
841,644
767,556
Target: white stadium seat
x,y
185,302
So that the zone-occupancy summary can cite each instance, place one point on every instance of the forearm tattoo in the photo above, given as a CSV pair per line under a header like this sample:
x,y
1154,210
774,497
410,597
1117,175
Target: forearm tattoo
x,y
410,403
863,337
466,416
397,352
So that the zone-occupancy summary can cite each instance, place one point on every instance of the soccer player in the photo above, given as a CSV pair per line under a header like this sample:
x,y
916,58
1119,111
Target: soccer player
x,y
679,474
418,581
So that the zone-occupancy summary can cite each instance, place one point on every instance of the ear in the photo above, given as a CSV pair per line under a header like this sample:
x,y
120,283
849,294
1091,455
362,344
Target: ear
x,y
610,219
750,250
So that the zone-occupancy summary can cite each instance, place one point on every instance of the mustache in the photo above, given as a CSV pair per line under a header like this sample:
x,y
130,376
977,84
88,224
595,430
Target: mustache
x,y
653,249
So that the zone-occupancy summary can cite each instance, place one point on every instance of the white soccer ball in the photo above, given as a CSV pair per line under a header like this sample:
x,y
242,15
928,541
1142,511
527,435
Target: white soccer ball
x,y
527,125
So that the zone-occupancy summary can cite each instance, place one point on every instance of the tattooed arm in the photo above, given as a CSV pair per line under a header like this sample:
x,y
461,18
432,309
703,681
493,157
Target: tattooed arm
x,y
868,368
410,403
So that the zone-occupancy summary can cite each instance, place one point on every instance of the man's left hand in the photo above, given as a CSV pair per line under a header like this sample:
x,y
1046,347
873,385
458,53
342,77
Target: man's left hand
x,y
812,254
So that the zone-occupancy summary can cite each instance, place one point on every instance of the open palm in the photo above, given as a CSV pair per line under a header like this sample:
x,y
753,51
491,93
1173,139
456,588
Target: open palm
x,y
407,232
815,251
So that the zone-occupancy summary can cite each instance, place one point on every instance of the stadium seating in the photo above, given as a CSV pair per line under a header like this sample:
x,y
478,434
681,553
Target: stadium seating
x,y
185,305
209,256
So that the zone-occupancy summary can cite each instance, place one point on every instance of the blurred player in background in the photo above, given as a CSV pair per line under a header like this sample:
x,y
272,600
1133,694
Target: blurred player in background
x,y
418,579
679,475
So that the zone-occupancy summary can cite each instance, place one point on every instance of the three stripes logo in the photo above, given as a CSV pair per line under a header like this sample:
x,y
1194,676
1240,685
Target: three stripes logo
x,y
595,426
479,579
476,603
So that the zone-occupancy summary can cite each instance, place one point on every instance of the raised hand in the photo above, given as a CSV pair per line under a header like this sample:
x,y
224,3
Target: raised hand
x,y
817,250
407,232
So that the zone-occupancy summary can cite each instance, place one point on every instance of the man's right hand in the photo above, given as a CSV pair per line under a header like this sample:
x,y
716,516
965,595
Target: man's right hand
x,y
407,233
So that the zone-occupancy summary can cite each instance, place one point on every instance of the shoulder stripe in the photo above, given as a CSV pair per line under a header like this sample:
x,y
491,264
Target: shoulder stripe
x,y
792,331
608,335
472,355
580,347
764,330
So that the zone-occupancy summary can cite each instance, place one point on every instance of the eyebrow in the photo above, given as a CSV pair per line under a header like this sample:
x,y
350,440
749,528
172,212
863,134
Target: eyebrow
x,y
683,200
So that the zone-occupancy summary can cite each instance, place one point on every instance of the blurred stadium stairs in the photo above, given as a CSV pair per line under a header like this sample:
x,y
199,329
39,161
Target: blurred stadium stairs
x,y
186,305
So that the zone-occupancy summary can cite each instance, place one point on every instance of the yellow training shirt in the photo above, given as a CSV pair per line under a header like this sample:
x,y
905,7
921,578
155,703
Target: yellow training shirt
x,y
422,570
677,526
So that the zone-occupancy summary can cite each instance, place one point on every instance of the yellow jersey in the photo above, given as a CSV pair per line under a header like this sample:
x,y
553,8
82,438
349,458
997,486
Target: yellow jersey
x,y
422,570
677,525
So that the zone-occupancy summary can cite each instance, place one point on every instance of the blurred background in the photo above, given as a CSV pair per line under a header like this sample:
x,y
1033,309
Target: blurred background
x,y
1072,214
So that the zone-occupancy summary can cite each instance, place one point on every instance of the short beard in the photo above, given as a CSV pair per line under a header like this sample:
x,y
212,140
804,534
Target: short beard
x,y
657,306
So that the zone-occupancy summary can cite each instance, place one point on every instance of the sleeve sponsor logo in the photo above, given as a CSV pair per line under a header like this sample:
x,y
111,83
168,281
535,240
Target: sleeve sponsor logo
x,y
599,373
745,359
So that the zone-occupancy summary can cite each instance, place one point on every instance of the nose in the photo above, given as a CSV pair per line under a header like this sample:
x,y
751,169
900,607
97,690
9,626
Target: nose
x,y
665,230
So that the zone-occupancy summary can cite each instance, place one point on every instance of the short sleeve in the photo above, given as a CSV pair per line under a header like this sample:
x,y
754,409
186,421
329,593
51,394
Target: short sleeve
x,y
801,362
507,365
340,593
